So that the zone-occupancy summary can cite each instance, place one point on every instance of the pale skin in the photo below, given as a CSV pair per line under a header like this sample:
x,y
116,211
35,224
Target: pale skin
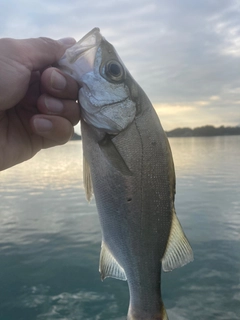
x,y
38,106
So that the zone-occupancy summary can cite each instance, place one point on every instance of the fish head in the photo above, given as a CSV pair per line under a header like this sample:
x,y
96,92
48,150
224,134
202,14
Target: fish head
x,y
105,96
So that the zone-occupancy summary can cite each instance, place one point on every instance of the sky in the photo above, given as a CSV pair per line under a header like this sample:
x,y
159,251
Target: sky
x,y
185,54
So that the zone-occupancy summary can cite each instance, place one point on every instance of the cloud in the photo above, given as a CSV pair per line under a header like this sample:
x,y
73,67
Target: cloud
x,y
180,52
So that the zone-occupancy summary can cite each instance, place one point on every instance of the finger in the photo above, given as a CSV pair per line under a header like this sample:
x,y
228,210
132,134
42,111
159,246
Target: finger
x,y
46,51
58,84
68,109
37,53
31,96
53,129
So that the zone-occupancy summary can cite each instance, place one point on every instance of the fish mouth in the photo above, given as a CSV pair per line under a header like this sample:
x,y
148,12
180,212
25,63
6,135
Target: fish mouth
x,y
86,46
79,59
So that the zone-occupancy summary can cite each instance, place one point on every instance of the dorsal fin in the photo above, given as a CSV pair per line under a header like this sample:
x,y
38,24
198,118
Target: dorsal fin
x,y
108,265
178,251
87,181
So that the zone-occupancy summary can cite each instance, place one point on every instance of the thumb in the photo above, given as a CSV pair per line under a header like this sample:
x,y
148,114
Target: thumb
x,y
19,58
38,53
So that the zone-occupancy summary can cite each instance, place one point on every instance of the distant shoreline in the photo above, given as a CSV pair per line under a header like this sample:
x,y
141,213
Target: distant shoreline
x,y
205,131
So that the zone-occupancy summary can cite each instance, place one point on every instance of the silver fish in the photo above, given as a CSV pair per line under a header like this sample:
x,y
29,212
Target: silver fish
x,y
128,166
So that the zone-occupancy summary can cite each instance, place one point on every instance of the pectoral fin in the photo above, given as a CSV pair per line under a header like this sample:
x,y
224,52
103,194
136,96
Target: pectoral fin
x,y
113,156
87,181
178,251
108,265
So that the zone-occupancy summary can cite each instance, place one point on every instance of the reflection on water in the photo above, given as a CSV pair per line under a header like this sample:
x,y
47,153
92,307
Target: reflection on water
x,y
53,167
50,238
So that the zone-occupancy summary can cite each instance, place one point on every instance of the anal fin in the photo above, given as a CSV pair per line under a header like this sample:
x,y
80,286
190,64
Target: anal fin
x,y
178,251
108,265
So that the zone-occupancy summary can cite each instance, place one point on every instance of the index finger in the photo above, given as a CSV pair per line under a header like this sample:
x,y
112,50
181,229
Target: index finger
x,y
37,53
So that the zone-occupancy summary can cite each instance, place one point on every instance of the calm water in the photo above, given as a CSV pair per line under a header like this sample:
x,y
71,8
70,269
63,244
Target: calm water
x,y
50,238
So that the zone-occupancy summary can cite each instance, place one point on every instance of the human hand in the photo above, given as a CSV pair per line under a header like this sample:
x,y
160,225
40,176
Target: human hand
x,y
37,102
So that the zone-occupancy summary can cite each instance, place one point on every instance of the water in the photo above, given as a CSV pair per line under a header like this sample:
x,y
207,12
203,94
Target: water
x,y
50,238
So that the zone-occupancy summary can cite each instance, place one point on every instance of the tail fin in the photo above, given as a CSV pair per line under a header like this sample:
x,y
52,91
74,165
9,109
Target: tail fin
x,y
144,315
164,313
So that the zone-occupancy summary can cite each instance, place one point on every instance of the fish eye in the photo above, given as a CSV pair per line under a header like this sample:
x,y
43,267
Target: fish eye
x,y
114,70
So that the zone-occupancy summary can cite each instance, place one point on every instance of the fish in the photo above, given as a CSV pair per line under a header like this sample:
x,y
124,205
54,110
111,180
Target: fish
x,y
128,166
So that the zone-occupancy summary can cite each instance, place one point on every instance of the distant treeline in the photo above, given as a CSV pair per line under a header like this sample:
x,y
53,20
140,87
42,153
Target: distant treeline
x,y
205,131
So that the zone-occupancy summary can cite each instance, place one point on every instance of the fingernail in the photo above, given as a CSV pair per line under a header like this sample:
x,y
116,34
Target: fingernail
x,y
42,125
67,41
58,81
55,106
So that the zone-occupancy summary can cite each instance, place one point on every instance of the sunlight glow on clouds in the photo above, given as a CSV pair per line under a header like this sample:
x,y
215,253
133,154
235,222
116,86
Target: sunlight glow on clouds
x,y
184,54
